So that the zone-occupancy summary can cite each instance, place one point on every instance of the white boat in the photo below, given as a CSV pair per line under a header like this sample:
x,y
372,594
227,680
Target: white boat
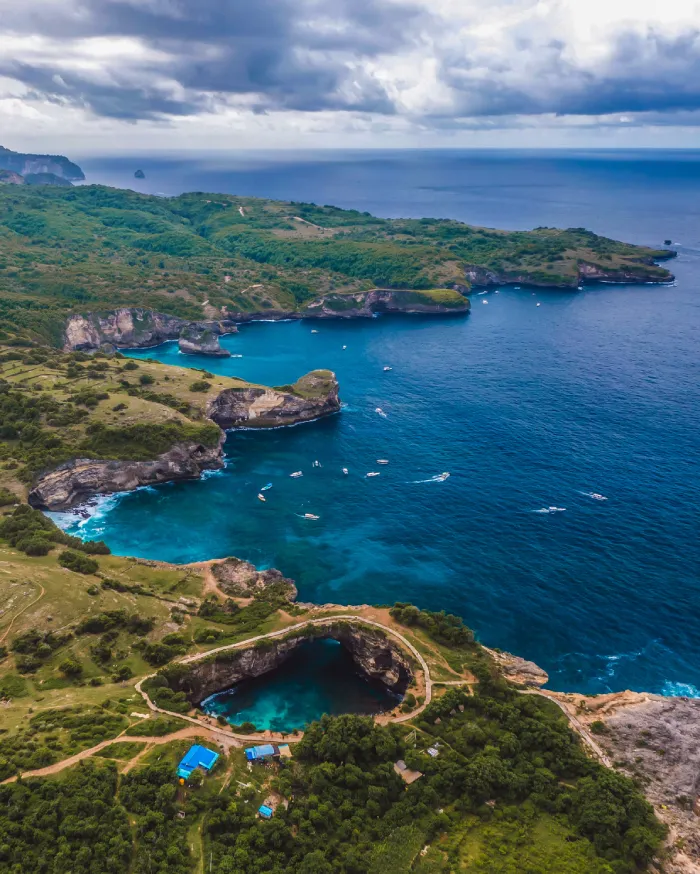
x,y
346,471
345,347
236,356
442,477
557,509
296,473
387,368
311,516
262,498
372,473
596,496
382,461
316,464
484,301
539,304
380,411
314,331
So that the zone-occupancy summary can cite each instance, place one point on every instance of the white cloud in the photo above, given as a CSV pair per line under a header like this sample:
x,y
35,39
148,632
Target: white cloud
x,y
369,72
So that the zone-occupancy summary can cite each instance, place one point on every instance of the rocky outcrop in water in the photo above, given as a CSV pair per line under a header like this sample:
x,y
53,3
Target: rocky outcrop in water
x,y
365,304
242,579
377,657
198,338
133,328
77,480
313,396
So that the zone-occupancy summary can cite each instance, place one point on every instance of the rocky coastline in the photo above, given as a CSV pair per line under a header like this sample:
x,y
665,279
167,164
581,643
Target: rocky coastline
x,y
312,397
379,659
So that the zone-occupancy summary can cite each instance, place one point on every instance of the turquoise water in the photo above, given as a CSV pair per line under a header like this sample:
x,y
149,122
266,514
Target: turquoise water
x,y
527,407
319,677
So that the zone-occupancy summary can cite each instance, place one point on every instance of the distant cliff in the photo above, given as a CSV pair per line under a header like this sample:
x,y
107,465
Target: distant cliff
x,y
45,166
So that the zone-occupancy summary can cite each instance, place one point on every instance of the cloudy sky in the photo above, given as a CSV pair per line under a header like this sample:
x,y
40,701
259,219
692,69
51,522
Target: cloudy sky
x,y
110,75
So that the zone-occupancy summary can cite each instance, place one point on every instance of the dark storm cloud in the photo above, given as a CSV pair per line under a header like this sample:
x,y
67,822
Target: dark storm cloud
x,y
314,55
293,54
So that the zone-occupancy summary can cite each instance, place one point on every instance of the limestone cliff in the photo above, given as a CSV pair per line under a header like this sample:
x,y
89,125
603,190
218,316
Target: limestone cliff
x,y
199,338
77,480
243,579
132,327
24,164
313,396
377,657
365,304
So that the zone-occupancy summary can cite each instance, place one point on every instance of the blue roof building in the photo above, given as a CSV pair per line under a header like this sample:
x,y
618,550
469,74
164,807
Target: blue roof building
x,y
265,811
264,751
196,757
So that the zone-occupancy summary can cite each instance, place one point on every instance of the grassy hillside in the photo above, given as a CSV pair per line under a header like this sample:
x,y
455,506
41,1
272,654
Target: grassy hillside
x,y
201,255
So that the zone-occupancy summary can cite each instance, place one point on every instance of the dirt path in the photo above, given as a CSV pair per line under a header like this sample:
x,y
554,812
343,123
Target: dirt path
x,y
201,731
26,607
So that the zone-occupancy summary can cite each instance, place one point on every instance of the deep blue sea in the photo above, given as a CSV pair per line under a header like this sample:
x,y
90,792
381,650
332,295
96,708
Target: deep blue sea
x,y
527,407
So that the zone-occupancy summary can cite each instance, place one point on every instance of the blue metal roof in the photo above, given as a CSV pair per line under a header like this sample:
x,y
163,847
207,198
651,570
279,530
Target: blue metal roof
x,y
260,752
265,811
196,757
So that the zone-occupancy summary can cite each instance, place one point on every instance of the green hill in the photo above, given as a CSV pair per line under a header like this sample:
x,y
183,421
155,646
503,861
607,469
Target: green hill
x,y
75,250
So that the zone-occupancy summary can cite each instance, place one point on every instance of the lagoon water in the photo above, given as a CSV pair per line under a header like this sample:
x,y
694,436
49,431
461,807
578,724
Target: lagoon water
x,y
319,677
527,407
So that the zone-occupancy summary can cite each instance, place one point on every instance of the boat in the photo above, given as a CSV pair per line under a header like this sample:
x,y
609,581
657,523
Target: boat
x,y
236,356
596,496
484,301
316,464
442,477
372,473
262,498
557,509
310,516
382,461
314,331
345,347
346,471
380,411
387,368
265,488
296,473
539,304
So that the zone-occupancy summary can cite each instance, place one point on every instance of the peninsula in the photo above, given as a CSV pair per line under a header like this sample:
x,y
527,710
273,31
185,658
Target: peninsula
x,y
89,252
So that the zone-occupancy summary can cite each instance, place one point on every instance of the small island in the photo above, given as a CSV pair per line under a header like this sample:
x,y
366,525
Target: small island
x,y
139,174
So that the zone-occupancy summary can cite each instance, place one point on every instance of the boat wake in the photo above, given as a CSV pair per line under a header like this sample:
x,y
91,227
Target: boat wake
x,y
438,478
549,510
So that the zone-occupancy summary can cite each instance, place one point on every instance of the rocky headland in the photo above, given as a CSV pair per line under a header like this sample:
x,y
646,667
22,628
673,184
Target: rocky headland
x,y
241,579
380,659
642,272
365,304
72,483
311,397
77,480
202,338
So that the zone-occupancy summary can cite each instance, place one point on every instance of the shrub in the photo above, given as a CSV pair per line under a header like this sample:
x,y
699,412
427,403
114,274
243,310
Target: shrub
x,y
76,561
71,668
131,365
200,385
146,379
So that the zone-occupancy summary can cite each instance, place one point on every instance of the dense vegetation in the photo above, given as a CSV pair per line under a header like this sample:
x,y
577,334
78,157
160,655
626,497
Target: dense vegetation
x,y
507,766
91,248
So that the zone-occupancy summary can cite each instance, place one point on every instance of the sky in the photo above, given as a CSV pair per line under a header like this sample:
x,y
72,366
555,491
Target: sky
x,y
107,76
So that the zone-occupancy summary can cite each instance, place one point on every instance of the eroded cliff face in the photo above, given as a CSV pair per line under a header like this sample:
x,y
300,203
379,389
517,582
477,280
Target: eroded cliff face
x,y
77,480
377,657
199,338
134,327
364,304
313,396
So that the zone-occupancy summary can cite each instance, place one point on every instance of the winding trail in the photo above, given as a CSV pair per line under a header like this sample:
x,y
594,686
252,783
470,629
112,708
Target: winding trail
x,y
199,728
20,612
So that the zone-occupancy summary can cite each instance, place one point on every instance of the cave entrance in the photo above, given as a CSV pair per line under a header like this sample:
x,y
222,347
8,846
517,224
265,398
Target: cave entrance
x,y
320,676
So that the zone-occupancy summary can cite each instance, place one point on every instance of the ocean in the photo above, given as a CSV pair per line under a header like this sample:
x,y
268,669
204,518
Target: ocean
x,y
527,408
